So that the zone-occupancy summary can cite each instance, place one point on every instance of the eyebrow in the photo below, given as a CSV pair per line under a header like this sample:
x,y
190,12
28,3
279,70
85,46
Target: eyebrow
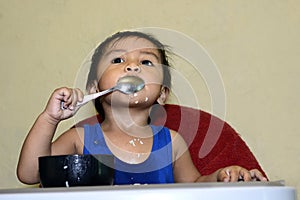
x,y
151,53
115,51
125,51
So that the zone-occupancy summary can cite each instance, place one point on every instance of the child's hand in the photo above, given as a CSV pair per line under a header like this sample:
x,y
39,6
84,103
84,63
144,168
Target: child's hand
x,y
62,103
237,173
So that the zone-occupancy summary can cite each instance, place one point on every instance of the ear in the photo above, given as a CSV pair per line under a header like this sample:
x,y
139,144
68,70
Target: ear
x,y
164,93
93,87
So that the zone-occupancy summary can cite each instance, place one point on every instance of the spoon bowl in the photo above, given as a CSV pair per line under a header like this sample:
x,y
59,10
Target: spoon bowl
x,y
126,85
129,84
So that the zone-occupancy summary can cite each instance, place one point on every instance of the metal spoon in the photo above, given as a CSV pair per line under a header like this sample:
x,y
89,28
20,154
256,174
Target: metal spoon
x,y
126,85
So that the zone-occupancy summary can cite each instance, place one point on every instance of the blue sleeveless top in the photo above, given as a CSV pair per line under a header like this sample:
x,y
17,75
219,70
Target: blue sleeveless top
x,y
157,168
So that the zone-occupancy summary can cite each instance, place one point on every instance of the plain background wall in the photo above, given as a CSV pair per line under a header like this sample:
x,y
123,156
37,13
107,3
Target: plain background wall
x,y
255,45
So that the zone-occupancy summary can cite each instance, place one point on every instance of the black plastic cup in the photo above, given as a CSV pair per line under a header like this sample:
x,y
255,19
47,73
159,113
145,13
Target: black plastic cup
x,y
76,170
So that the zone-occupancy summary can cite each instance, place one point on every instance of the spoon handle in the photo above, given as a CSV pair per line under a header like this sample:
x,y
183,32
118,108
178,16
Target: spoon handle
x,y
90,97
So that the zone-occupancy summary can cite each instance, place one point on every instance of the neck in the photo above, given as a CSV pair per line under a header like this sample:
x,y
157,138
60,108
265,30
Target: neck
x,y
129,120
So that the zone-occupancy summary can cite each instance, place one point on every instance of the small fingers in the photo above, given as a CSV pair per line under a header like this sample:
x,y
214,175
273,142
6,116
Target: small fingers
x,y
228,174
257,175
77,96
70,98
236,173
63,95
245,175
224,175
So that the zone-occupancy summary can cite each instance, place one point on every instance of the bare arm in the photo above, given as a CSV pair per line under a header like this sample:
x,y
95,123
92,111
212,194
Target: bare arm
x,y
39,139
183,167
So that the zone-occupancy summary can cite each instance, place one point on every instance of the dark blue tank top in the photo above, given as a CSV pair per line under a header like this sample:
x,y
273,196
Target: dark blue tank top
x,y
157,168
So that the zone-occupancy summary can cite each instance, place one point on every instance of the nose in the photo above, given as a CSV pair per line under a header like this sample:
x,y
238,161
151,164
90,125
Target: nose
x,y
131,68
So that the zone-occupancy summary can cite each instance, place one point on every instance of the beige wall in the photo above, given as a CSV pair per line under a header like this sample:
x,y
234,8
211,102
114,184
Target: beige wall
x,y
255,45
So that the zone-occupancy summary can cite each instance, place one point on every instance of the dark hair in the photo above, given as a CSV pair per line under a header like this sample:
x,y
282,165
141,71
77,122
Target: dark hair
x,y
101,49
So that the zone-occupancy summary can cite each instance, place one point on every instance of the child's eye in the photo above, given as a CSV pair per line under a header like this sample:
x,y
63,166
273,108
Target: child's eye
x,y
117,60
147,62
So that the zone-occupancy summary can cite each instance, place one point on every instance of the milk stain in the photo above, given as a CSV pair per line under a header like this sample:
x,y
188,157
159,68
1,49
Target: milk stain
x,y
67,184
135,95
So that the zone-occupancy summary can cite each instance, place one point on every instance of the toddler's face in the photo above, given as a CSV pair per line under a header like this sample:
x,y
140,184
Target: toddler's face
x,y
132,56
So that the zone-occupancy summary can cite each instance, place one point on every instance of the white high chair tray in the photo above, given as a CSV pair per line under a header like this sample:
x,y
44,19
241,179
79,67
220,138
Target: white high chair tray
x,y
191,191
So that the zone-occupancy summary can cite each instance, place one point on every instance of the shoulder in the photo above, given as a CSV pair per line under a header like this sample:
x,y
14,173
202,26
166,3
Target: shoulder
x,y
175,135
178,143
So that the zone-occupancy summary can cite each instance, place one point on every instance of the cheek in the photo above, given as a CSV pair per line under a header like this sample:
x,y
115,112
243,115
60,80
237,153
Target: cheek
x,y
101,68
158,76
153,79
103,76
107,81
107,77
